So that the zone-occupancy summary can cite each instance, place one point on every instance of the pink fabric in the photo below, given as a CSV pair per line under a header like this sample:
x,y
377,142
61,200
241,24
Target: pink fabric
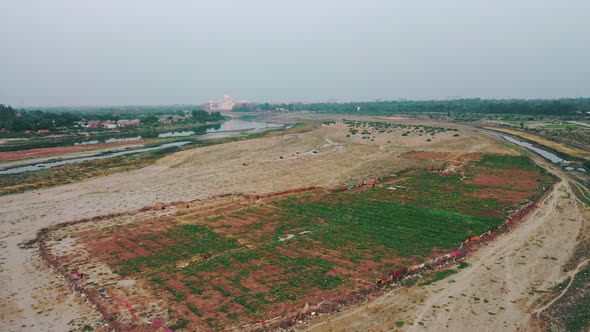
x,y
126,304
455,253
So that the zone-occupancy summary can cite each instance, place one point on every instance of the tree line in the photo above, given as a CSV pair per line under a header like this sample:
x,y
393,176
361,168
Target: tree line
x,y
13,120
555,107
21,120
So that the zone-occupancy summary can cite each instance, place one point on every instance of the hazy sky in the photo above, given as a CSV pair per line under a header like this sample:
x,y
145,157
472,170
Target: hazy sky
x,y
118,52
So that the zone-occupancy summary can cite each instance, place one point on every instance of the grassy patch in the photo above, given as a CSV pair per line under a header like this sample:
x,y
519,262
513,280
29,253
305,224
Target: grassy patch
x,y
463,265
503,161
582,194
564,126
180,324
437,277
572,311
365,220
186,241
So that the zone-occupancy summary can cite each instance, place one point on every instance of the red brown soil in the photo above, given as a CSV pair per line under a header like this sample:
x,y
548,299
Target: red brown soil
x,y
117,243
234,217
427,155
504,196
507,179
55,151
441,155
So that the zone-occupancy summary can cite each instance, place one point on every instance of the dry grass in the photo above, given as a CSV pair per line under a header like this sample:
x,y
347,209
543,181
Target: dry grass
x,y
575,152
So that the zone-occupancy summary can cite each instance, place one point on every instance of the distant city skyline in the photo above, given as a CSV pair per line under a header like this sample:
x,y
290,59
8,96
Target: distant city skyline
x,y
123,52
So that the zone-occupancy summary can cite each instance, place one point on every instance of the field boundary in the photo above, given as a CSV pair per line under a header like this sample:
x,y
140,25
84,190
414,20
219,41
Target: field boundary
x,y
92,298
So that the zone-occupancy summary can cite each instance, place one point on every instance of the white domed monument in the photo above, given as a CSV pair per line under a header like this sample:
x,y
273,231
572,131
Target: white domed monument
x,y
226,104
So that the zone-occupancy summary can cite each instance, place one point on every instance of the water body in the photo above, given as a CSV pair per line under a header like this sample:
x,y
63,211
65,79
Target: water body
x,y
543,153
569,168
177,134
224,129
227,126
552,157
87,142
110,140
40,166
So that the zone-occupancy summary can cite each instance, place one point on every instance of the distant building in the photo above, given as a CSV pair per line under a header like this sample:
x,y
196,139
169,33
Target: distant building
x,y
109,124
128,123
226,104
243,103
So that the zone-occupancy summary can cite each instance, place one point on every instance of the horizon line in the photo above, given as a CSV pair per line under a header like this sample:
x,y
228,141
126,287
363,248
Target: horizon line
x,y
328,101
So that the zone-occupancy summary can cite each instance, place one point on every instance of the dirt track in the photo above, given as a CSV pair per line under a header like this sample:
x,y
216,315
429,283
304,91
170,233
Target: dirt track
x,y
500,288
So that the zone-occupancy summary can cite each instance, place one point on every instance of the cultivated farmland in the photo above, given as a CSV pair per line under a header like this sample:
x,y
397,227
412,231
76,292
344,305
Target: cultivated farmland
x,y
234,260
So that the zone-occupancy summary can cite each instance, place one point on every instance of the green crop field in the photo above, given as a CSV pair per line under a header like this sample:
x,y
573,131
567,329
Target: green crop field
x,y
234,262
507,162
366,223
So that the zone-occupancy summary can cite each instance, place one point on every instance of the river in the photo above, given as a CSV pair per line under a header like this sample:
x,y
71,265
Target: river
x,y
40,166
224,129
552,157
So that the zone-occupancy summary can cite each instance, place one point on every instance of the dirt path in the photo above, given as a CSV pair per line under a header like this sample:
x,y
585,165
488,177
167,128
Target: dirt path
x,y
571,275
497,291
507,275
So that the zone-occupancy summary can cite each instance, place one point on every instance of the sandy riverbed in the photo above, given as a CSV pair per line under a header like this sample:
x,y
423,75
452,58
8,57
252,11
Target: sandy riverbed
x,y
34,299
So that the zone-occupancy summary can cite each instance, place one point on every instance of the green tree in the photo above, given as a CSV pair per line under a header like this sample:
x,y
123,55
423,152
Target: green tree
x,y
149,120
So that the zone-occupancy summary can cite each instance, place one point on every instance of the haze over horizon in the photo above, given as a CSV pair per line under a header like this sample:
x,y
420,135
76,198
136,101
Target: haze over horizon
x,y
73,53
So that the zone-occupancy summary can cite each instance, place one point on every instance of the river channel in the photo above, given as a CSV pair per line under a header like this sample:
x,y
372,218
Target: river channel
x,y
224,129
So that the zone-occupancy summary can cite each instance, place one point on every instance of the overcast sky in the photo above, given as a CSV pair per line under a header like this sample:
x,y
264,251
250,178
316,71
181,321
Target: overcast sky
x,y
120,52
